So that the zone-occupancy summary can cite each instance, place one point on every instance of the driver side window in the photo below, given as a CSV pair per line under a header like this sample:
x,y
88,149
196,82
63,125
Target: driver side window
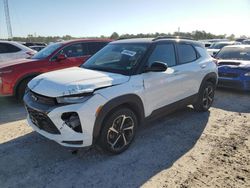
x,y
164,53
75,50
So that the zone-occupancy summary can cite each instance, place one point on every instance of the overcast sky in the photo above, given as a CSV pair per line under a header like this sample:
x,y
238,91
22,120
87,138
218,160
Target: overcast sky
x,y
82,18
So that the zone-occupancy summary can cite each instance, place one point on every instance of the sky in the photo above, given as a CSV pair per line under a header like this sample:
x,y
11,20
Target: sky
x,y
82,18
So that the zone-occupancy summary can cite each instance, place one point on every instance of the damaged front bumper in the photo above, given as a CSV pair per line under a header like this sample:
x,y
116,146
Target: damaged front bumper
x,y
69,125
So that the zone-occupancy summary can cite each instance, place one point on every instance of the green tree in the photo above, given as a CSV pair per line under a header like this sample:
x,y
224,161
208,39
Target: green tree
x,y
114,36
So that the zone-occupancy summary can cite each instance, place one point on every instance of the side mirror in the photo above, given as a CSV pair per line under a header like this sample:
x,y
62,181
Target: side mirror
x,y
61,57
157,66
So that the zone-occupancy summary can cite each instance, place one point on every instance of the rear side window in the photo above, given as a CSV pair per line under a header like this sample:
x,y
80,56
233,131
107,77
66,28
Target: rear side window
x,y
8,48
96,46
164,53
186,53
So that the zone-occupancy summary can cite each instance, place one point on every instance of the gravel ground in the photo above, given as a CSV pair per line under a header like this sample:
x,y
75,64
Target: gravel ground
x,y
185,149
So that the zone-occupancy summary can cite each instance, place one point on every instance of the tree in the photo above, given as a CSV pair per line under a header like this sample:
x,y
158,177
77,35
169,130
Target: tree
x,y
114,36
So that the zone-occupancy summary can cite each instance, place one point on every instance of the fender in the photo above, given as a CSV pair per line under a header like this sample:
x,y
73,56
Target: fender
x,y
30,75
212,77
133,101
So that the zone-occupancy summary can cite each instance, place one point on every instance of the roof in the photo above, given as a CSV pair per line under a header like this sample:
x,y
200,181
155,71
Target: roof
x,y
238,46
155,40
85,40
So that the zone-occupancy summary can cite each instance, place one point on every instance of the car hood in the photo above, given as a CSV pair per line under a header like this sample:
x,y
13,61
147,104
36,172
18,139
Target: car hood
x,y
10,63
234,64
73,81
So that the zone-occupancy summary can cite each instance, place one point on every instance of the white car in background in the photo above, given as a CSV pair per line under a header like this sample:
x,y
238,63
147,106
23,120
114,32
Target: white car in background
x,y
10,50
217,46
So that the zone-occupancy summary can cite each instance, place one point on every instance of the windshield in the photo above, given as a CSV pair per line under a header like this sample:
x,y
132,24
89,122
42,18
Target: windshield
x,y
218,45
47,51
117,58
237,53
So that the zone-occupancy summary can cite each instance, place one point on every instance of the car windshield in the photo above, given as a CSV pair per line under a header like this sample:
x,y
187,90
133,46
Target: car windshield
x,y
47,51
117,58
218,45
237,53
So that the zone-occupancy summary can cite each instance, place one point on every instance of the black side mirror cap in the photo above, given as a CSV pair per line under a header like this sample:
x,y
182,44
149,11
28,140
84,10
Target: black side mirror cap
x,y
157,66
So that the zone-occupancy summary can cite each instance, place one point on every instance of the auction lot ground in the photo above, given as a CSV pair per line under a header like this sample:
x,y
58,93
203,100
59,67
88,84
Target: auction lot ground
x,y
185,149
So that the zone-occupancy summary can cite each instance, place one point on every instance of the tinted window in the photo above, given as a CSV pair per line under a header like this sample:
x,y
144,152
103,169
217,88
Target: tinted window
x,y
164,53
186,53
96,46
8,48
75,50
238,53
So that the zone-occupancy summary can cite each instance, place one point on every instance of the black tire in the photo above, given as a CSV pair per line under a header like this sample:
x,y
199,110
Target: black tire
x,y
205,97
21,89
116,136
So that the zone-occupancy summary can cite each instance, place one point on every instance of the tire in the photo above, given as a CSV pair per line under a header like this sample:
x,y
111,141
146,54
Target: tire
x,y
21,89
118,131
205,97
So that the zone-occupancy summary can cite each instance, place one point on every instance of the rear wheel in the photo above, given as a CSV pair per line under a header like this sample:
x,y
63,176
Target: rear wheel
x,y
205,98
118,131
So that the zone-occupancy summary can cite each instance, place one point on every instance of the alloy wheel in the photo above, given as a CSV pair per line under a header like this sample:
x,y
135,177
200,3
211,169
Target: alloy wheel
x,y
121,133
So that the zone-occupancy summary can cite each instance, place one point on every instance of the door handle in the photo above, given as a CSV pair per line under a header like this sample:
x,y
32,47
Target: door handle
x,y
203,66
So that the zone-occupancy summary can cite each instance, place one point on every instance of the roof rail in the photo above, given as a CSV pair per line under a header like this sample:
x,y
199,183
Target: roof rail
x,y
171,37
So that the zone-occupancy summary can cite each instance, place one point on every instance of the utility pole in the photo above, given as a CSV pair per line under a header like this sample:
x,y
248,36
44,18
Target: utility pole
x,y
7,16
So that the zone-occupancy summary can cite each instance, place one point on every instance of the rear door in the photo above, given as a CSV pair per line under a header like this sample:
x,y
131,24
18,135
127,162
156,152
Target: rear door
x,y
189,67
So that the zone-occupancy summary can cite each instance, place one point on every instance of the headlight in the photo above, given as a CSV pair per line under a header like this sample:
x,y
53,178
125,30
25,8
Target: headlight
x,y
247,74
72,100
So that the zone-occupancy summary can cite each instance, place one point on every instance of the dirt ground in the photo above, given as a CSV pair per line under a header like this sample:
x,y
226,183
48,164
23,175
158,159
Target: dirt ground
x,y
185,149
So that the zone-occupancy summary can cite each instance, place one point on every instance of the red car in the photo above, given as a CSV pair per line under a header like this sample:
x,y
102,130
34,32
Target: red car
x,y
14,75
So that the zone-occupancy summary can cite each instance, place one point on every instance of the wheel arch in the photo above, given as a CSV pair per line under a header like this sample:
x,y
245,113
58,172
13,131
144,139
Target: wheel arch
x,y
131,101
210,77
20,80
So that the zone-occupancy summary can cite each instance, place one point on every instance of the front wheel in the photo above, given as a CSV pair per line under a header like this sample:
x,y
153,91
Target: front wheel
x,y
118,131
205,97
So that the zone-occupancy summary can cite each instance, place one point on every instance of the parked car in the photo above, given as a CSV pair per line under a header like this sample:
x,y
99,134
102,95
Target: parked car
x,y
10,50
247,41
14,75
37,48
234,67
217,46
108,97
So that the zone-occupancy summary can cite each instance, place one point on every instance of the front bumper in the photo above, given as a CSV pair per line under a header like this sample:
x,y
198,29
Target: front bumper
x,y
234,78
54,127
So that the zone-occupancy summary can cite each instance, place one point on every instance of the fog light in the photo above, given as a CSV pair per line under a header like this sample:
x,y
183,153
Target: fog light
x,y
72,120
247,74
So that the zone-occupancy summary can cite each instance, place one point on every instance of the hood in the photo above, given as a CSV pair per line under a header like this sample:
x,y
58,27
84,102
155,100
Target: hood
x,y
6,64
74,80
242,64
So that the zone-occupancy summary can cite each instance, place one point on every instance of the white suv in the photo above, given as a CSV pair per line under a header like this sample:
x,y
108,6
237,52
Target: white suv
x,y
128,81
10,50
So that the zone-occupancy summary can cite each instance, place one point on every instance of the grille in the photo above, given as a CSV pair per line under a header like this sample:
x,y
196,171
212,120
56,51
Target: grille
x,y
228,63
229,75
42,121
42,99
